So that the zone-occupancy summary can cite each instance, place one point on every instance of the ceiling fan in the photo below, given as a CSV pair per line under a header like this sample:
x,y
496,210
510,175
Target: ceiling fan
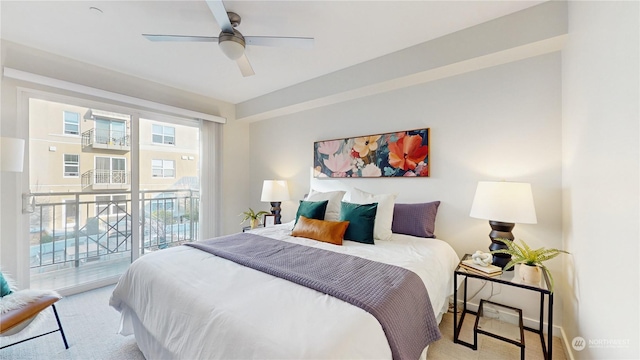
x,y
231,41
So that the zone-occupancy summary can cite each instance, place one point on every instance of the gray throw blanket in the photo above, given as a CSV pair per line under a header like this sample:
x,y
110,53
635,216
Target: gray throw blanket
x,y
396,297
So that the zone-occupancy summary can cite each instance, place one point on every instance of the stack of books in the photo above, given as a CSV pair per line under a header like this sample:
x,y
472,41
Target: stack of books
x,y
490,270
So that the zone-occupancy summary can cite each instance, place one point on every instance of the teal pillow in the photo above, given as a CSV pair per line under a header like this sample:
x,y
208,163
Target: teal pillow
x,y
312,209
361,218
4,286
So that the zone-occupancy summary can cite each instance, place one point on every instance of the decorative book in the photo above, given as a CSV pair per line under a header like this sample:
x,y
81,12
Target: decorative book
x,y
490,270
470,270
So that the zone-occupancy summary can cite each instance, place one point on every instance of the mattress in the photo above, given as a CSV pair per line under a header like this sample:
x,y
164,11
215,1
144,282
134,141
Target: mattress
x,y
184,303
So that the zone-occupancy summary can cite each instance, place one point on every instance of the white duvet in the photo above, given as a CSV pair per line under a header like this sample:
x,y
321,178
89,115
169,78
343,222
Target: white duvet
x,y
184,303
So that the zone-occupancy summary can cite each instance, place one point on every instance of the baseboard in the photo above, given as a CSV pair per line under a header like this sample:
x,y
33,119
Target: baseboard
x,y
567,345
88,286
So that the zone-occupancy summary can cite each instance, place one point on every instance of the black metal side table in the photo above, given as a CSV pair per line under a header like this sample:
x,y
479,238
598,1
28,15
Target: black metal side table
x,y
506,278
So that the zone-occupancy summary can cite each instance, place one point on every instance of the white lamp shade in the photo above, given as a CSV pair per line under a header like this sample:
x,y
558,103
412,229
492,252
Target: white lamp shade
x,y
503,201
275,190
11,154
233,50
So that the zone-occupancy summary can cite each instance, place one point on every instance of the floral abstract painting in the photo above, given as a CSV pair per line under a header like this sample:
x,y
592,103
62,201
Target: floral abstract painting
x,y
404,153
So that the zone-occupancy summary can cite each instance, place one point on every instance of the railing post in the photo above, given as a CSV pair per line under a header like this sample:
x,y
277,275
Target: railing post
x,y
76,231
142,217
40,235
191,215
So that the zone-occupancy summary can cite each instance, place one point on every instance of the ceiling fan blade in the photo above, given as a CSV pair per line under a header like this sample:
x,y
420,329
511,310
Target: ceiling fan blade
x,y
245,66
297,42
220,13
180,38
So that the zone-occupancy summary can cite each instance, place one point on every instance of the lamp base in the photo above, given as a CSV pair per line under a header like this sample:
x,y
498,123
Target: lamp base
x,y
500,230
275,210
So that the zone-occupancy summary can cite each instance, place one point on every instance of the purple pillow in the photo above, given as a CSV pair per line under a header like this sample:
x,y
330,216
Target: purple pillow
x,y
415,219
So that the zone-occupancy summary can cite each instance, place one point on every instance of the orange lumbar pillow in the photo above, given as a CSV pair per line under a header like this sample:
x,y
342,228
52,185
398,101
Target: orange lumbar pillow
x,y
321,230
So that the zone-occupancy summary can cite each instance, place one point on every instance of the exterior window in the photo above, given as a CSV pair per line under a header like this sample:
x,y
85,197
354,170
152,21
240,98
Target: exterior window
x,y
71,123
163,134
163,168
71,165
111,170
111,132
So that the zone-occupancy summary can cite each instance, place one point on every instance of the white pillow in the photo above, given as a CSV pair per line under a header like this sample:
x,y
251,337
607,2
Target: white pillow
x,y
384,215
333,207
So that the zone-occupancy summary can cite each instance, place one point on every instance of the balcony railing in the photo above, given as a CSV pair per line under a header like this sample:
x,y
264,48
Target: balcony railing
x,y
70,229
105,179
106,139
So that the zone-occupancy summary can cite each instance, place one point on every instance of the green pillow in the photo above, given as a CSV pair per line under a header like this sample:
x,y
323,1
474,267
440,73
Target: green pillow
x,y
4,286
361,218
312,209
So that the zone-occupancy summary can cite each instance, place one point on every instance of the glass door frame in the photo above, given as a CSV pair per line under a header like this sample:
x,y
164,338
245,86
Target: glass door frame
x,y
209,139
24,97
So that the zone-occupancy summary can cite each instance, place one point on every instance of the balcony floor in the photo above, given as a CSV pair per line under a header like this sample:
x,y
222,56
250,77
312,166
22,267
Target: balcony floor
x,y
69,276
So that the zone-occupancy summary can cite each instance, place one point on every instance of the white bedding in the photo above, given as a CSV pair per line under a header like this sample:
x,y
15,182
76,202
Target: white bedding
x,y
188,304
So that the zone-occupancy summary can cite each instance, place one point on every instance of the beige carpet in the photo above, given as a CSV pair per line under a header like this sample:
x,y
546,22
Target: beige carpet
x,y
91,325
488,347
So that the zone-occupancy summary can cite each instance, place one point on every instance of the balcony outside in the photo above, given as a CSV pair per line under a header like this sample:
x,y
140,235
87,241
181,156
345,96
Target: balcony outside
x,y
79,237
102,139
99,179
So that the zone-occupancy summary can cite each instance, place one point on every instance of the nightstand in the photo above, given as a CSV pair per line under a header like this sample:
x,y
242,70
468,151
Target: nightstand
x,y
246,228
507,278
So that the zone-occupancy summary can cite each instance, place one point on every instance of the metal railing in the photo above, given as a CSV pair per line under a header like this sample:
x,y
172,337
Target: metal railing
x,y
104,177
79,227
168,217
105,137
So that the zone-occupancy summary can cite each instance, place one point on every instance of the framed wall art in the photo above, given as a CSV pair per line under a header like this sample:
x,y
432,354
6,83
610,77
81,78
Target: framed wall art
x,y
397,154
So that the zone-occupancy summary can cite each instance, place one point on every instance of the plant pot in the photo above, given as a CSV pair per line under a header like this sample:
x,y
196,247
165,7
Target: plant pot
x,y
255,223
530,274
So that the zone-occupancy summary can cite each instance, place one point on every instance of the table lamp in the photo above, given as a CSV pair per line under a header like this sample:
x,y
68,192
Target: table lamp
x,y
275,191
503,204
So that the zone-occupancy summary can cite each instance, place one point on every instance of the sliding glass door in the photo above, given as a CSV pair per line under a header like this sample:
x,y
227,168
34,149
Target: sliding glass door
x,y
110,131
88,221
111,170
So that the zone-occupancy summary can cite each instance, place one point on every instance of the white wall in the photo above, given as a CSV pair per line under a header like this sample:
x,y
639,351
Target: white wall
x,y
235,175
502,122
600,178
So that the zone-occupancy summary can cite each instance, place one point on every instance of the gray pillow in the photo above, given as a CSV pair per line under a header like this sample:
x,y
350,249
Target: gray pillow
x,y
415,219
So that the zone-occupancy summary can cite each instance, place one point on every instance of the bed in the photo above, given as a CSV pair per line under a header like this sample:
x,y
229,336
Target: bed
x,y
185,303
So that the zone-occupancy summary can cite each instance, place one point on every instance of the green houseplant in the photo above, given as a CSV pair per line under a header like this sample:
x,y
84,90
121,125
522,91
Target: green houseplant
x,y
253,216
533,260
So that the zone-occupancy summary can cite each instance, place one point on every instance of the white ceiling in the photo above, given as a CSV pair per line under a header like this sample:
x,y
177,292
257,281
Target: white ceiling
x,y
346,33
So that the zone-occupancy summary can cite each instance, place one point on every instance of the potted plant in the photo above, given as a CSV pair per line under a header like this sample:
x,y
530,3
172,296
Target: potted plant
x,y
531,260
253,216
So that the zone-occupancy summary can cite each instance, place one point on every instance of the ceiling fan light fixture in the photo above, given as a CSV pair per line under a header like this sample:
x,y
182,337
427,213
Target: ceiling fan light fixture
x,y
232,45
